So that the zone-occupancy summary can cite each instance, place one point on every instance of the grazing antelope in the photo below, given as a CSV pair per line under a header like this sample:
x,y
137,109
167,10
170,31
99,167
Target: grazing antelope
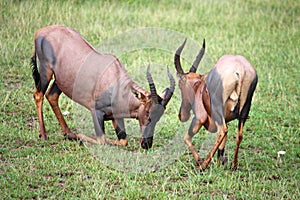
x,y
217,97
96,81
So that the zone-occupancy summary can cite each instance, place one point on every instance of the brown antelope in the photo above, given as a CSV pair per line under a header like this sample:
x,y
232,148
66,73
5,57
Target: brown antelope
x,y
96,81
217,97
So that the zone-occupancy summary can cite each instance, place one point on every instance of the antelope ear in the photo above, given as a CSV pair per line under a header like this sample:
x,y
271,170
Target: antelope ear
x,y
180,76
142,98
196,84
136,93
164,93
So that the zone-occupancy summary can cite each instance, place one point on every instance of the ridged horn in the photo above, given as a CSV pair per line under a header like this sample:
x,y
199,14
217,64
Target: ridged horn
x,y
198,58
177,58
154,95
170,91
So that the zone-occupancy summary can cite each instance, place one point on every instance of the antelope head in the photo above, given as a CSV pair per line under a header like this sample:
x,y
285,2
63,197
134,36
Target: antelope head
x,y
188,82
153,108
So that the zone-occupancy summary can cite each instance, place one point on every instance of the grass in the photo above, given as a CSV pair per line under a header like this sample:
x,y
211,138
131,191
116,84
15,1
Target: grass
x,y
266,32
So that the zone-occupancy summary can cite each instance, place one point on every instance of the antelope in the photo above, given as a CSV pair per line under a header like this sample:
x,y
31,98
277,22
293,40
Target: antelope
x,y
217,97
97,81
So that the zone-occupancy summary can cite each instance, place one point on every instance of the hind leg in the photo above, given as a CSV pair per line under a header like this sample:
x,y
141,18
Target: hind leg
x,y
221,150
239,138
38,96
242,120
53,96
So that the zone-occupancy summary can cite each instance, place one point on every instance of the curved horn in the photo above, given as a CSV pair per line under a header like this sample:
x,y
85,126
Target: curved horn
x,y
198,58
177,58
154,95
171,90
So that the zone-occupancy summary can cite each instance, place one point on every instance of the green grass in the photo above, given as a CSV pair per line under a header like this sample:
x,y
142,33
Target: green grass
x,y
266,32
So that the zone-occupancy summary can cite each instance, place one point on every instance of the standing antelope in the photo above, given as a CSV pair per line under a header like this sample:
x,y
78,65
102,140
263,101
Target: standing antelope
x,y
220,96
97,81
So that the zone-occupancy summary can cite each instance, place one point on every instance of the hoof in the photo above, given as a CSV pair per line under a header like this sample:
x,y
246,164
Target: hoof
x,y
123,142
80,143
201,167
146,143
44,137
71,136
199,161
234,167
222,160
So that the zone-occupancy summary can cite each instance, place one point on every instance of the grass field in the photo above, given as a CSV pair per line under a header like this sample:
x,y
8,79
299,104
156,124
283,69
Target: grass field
x,y
267,32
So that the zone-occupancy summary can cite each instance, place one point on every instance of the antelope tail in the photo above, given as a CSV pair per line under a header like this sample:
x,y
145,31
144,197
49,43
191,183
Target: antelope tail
x,y
35,71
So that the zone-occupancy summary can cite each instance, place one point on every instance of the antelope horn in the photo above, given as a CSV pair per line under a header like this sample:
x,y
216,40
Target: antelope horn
x,y
170,91
154,95
177,58
198,58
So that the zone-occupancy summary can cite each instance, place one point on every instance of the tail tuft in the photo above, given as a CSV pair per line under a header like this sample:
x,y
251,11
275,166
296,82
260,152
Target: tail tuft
x,y
35,72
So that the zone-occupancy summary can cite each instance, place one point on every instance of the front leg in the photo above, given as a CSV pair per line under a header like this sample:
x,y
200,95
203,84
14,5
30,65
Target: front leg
x,y
120,131
221,150
98,119
222,132
194,128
